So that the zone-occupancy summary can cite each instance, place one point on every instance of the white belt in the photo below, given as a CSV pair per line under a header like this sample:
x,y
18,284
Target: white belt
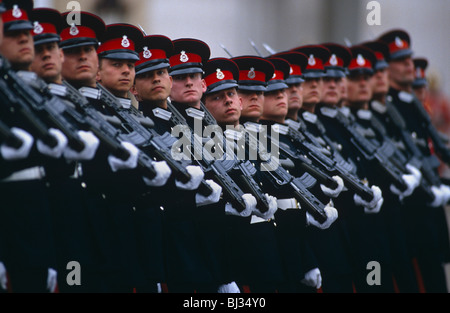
x,y
286,204
32,173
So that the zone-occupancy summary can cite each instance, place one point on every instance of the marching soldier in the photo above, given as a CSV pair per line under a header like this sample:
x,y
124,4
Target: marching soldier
x,y
431,241
397,223
28,254
247,262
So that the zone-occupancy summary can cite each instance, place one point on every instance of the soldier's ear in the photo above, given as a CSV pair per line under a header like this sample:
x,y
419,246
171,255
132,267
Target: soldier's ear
x,y
204,87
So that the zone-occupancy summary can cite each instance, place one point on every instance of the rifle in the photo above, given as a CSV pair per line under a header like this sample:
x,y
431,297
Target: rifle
x,y
282,180
16,105
140,133
8,137
379,155
330,165
220,170
32,91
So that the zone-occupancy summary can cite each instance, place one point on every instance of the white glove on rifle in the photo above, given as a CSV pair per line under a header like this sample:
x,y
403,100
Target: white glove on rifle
x,y
51,280
439,196
332,215
411,181
373,206
91,143
196,174
333,193
446,193
229,288
163,173
3,277
273,207
10,153
214,197
250,205
414,171
313,278
58,150
117,164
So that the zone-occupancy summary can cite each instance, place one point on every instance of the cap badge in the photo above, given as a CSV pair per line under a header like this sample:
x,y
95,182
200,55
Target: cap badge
x,y
274,75
74,30
311,60
17,13
38,29
220,74
291,70
333,60
125,42
183,57
398,42
147,53
251,73
360,60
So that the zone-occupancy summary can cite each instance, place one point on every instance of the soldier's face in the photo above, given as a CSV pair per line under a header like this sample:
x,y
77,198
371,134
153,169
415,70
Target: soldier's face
x,y
153,85
401,71
252,104
188,89
225,106
359,89
380,82
18,48
312,90
295,96
116,75
47,62
81,65
275,105
331,92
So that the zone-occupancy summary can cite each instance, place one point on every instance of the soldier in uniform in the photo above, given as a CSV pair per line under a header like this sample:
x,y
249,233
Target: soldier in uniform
x,y
431,235
152,89
244,265
222,100
397,225
28,252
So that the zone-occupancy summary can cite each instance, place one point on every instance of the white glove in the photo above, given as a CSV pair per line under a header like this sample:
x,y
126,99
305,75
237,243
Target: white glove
x,y
58,150
376,209
10,153
91,143
439,197
445,192
130,163
332,215
373,206
214,197
196,174
273,207
411,182
333,193
250,205
313,278
3,277
229,288
163,173
51,280
414,171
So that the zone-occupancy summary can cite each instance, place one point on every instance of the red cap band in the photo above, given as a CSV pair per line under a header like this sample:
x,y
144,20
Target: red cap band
x,y
14,15
218,76
116,44
77,32
185,58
